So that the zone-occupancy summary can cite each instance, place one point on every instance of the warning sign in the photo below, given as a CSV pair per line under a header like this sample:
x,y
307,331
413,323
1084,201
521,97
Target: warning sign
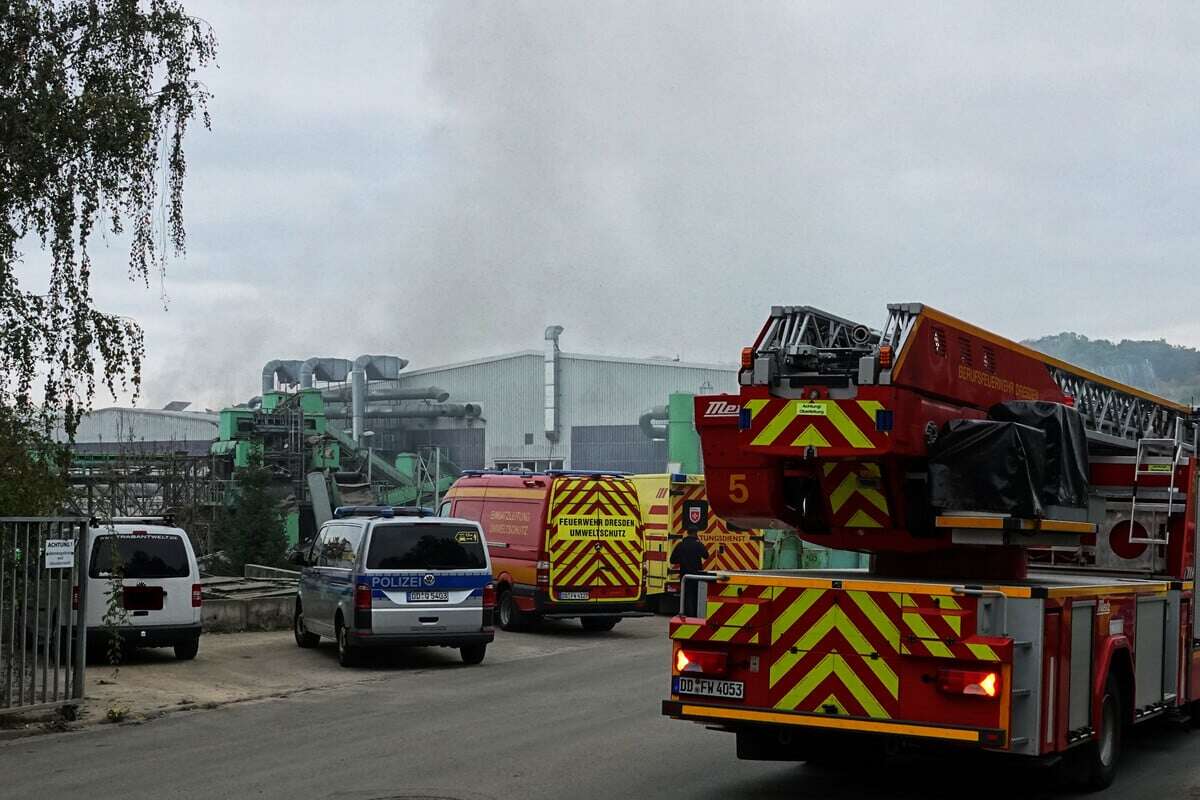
x,y
597,526
810,409
60,553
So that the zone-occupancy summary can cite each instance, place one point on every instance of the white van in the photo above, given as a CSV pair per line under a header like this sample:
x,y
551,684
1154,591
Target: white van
x,y
161,593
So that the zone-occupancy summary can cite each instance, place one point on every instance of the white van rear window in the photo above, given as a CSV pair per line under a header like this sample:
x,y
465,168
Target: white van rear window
x,y
141,555
426,546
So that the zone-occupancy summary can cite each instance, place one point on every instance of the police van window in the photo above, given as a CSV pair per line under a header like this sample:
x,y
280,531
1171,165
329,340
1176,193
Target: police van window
x,y
140,555
426,546
336,548
314,552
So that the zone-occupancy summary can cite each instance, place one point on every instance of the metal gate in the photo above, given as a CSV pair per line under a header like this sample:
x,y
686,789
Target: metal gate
x,y
43,650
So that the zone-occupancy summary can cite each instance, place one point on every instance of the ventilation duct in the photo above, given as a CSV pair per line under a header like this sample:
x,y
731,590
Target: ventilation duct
x,y
381,368
375,368
417,393
464,410
287,371
657,433
550,381
329,370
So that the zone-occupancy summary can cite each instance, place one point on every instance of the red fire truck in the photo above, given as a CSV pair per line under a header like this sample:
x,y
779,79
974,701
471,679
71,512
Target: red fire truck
x,y
1032,527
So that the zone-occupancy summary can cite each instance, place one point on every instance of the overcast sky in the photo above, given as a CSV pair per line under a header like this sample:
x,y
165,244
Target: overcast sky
x,y
442,180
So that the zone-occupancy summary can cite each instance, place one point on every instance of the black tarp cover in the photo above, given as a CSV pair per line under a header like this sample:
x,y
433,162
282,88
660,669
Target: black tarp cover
x,y
985,465
1066,447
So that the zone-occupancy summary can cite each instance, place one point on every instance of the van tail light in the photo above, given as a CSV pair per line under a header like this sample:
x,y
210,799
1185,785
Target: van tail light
x,y
362,607
702,662
74,598
968,682
489,606
543,573
197,595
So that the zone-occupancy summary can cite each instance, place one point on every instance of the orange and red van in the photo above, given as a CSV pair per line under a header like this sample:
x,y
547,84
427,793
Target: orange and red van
x,y
563,544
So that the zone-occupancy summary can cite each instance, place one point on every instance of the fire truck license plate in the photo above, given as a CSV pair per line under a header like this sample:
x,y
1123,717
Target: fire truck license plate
x,y
428,597
730,690
573,595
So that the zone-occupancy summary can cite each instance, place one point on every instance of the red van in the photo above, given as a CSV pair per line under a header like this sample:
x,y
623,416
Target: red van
x,y
562,544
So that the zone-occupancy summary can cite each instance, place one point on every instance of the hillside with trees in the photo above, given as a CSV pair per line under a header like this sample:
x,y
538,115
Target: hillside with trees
x,y
1172,371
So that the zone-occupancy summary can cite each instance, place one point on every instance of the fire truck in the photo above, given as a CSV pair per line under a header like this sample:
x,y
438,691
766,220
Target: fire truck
x,y
1031,527
672,505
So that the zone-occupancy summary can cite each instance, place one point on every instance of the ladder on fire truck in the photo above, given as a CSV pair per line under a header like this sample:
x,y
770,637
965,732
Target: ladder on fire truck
x,y
798,339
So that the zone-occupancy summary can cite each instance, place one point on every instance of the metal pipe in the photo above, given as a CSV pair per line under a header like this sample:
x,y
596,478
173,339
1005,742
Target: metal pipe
x,y
550,382
287,370
343,395
463,410
358,392
654,432
324,369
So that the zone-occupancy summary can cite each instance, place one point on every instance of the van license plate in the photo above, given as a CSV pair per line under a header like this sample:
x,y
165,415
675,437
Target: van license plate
x,y
428,597
730,690
572,595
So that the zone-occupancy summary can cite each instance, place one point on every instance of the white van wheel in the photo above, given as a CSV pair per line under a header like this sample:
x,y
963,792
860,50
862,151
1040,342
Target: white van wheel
x,y
186,651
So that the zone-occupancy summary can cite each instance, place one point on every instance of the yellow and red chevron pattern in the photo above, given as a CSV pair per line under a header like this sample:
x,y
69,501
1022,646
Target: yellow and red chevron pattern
x,y
736,614
734,551
608,568
933,626
834,651
854,490
841,425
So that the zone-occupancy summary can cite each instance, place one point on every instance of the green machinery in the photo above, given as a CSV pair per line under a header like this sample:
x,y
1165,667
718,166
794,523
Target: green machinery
x,y
316,465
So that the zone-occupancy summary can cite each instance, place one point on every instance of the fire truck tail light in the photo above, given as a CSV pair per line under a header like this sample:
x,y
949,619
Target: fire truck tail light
x,y
885,357
968,682
703,662
747,357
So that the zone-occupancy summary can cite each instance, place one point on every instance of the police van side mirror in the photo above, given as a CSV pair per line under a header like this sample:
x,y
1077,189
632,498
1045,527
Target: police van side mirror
x,y
298,558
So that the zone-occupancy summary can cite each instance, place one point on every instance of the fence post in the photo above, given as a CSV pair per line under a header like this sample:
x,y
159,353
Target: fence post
x,y
79,666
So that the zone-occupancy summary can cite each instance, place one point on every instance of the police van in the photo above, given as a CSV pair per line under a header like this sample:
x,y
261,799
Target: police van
x,y
377,576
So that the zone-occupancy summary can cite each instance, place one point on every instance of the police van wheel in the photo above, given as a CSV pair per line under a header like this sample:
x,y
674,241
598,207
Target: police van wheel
x,y
599,623
348,654
511,618
473,653
303,637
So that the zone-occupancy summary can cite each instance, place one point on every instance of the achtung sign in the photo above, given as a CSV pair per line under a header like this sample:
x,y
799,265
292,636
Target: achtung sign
x,y
597,526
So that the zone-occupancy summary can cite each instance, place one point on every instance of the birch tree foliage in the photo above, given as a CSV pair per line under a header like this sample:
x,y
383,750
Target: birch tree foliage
x,y
96,97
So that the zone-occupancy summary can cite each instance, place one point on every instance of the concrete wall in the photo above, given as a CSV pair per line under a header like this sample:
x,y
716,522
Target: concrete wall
x,y
259,614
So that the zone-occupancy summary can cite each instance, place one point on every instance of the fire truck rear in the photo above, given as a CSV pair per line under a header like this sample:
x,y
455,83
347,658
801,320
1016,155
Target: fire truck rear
x,y
1032,531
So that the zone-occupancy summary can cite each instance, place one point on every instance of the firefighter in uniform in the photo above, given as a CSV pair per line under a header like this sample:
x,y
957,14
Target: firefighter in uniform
x,y
689,555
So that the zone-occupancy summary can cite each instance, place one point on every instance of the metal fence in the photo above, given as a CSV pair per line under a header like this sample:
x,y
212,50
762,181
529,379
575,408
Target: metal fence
x,y
43,648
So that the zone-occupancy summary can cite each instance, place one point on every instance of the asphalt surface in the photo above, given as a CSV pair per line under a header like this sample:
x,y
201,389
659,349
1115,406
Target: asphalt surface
x,y
558,714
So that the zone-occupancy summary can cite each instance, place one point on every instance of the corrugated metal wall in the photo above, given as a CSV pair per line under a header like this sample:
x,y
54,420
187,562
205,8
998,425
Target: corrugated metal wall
x,y
126,425
594,391
617,447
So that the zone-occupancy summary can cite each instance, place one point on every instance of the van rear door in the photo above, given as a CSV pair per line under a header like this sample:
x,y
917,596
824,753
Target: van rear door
x,y
155,567
426,577
594,540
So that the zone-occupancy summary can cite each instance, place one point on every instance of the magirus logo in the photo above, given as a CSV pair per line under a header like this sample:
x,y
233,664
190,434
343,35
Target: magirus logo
x,y
721,408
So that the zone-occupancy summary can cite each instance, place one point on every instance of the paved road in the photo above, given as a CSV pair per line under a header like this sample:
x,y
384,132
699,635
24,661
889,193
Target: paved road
x,y
559,714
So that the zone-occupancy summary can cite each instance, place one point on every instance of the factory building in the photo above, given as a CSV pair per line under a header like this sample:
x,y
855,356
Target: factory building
x,y
144,430
533,409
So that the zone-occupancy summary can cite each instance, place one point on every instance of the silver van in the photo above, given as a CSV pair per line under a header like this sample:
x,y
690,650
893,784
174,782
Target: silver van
x,y
376,576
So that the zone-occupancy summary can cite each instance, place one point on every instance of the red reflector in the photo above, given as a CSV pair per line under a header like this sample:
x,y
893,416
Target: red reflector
x,y
885,357
703,662
489,596
968,682
75,598
362,596
197,595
